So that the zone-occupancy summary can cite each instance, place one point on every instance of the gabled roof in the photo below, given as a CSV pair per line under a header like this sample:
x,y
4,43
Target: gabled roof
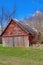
x,y
16,23
28,29
24,27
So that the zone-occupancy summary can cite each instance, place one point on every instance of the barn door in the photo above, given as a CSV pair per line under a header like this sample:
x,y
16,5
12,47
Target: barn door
x,y
16,43
19,41
26,41
5,41
10,41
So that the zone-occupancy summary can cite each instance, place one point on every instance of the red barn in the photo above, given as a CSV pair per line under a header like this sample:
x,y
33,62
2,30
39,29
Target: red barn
x,y
17,35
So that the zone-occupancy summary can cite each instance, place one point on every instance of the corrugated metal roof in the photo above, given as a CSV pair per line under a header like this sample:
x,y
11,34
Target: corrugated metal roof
x,y
27,28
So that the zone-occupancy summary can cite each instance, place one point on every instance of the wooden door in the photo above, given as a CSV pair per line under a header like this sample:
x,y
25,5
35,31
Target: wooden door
x,y
10,41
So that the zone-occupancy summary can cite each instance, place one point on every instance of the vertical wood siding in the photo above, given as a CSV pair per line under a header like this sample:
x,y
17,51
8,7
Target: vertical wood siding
x,y
26,41
5,41
21,41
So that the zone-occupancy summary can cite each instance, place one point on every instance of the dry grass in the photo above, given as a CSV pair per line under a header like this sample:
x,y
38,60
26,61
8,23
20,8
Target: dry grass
x,y
38,46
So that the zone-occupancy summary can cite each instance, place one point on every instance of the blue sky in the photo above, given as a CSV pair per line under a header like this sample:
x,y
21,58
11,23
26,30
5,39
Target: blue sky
x,y
24,8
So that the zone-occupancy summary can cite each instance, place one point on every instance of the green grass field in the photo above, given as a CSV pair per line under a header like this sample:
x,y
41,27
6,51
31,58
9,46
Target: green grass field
x,y
20,56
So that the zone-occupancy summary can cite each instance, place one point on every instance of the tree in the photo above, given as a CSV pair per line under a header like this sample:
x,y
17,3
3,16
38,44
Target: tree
x,y
7,16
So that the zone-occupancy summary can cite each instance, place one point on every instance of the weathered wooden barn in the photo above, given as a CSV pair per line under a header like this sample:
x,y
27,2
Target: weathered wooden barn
x,y
17,35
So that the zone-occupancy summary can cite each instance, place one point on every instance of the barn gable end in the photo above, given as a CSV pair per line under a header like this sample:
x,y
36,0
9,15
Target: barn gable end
x,y
14,29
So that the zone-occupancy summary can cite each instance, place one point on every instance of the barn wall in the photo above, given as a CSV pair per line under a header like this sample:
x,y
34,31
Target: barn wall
x,y
20,41
31,37
7,41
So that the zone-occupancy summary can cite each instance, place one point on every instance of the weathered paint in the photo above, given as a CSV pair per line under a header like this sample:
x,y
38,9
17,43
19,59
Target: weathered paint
x,y
14,30
21,41
15,36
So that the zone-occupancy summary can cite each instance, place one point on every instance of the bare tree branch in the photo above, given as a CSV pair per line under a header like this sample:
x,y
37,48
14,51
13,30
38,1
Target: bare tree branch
x,y
6,16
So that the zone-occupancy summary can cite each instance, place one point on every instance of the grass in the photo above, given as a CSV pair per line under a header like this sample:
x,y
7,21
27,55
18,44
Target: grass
x,y
20,56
